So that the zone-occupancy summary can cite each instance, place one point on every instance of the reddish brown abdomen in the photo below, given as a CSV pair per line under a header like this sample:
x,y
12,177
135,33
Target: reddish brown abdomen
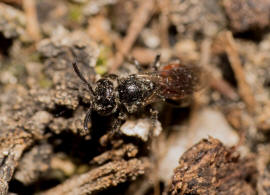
x,y
179,81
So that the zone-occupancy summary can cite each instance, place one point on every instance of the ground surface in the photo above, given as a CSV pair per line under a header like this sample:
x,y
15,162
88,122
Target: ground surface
x,y
215,142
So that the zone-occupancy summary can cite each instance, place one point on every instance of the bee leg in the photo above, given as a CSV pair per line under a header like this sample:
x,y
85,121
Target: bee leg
x,y
135,63
114,131
154,118
118,122
87,119
154,115
156,63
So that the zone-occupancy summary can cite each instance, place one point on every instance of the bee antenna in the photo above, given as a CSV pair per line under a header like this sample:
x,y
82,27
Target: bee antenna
x,y
79,74
156,63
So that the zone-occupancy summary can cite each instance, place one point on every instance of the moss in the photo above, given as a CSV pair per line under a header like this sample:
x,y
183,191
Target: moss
x,y
82,169
101,65
35,57
75,13
18,70
44,82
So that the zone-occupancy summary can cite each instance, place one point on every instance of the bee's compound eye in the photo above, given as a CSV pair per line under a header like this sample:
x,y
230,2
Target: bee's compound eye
x,y
130,91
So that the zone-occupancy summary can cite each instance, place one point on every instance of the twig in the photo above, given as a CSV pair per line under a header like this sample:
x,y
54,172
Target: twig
x,y
243,87
223,87
13,142
102,177
15,2
140,18
29,7
216,83
164,22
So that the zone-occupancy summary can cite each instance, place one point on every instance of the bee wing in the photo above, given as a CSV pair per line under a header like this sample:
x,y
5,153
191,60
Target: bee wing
x,y
179,81
175,82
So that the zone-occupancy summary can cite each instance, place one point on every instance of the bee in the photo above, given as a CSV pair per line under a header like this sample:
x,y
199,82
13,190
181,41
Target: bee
x,y
127,95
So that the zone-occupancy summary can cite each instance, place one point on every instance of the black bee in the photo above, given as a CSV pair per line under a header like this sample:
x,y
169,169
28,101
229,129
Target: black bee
x,y
126,95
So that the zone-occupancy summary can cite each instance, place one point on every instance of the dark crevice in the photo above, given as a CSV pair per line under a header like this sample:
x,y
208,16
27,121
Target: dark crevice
x,y
118,190
5,45
173,35
256,35
226,70
161,188
62,111
42,184
76,147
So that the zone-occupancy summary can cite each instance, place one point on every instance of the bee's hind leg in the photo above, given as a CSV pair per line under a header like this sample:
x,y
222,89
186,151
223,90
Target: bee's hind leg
x,y
135,63
156,63
154,119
